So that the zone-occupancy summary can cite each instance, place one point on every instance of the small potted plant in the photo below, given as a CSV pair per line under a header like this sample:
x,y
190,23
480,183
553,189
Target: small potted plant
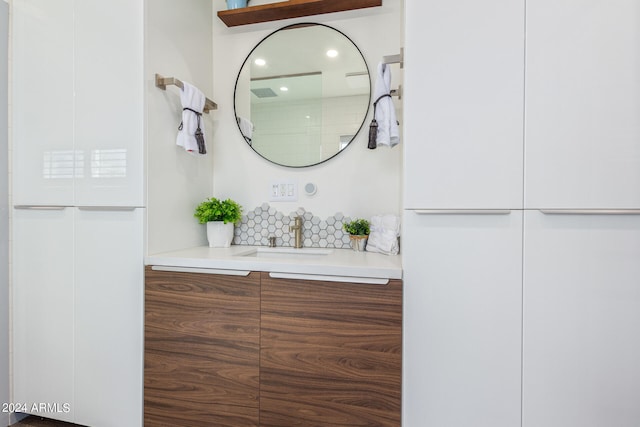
x,y
358,230
220,217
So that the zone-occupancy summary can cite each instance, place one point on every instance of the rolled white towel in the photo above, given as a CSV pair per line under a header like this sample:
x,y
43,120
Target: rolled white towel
x,y
385,112
192,100
385,242
389,222
383,236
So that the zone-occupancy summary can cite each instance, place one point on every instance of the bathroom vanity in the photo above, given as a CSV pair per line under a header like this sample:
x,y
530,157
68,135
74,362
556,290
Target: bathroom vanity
x,y
248,336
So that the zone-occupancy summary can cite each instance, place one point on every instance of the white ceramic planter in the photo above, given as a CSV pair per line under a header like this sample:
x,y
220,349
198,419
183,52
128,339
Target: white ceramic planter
x,y
219,234
358,243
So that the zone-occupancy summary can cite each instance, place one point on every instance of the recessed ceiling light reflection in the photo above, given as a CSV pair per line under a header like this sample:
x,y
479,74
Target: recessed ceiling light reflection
x,y
332,53
260,62
284,88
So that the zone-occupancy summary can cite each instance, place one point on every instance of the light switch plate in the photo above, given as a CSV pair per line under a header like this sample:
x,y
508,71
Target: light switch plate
x,y
283,190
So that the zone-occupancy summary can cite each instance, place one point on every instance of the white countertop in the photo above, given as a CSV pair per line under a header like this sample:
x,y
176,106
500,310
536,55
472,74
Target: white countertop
x,y
306,261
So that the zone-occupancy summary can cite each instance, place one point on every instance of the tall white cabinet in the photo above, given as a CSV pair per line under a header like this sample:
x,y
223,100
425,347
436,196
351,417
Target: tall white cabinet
x,y
44,160
108,317
43,309
581,320
78,196
582,223
78,98
568,239
464,63
462,319
582,104
462,232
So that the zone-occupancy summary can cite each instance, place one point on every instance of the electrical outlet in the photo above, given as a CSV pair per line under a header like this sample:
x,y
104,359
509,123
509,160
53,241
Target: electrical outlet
x,y
283,190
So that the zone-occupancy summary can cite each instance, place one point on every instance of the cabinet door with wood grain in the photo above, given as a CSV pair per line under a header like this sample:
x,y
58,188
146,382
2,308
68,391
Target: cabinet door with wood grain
x,y
330,353
201,349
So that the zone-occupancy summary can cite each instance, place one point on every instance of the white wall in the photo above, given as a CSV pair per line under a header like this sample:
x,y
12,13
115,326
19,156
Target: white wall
x,y
357,182
178,44
4,215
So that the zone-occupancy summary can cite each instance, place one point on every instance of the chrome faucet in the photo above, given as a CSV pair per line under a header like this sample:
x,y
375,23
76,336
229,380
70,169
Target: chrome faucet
x,y
297,228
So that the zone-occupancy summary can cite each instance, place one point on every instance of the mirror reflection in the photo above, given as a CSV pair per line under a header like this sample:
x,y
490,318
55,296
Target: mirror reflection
x,y
302,95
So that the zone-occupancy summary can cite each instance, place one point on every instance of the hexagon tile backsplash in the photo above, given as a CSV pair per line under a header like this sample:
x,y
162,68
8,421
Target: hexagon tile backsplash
x,y
265,221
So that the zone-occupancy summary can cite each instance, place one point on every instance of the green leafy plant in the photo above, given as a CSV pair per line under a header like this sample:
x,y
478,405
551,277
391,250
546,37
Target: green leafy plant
x,y
357,227
218,210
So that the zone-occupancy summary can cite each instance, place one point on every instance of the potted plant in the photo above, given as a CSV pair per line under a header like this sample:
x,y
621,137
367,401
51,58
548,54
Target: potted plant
x,y
358,230
220,217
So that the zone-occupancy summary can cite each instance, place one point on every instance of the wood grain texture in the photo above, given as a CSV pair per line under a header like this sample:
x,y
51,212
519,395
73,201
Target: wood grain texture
x,y
290,9
330,353
201,349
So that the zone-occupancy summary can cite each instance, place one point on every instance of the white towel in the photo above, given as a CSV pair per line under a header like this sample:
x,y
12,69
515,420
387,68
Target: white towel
x,y
246,128
383,235
388,132
190,97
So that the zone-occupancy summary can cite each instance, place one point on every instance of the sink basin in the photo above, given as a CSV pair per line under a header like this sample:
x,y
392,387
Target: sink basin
x,y
285,252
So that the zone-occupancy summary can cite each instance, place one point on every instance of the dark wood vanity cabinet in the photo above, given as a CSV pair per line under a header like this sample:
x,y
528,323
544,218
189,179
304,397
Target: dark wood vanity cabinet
x,y
330,353
237,351
202,345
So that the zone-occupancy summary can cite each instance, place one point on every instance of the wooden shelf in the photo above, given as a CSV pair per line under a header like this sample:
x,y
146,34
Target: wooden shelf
x,y
290,9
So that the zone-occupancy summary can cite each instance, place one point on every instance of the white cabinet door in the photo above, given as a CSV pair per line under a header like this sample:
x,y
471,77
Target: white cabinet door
x,y
462,320
109,317
78,94
464,81
582,104
109,94
43,311
581,320
44,160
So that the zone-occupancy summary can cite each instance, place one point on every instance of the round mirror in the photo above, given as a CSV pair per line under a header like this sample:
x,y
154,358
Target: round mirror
x,y
302,95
